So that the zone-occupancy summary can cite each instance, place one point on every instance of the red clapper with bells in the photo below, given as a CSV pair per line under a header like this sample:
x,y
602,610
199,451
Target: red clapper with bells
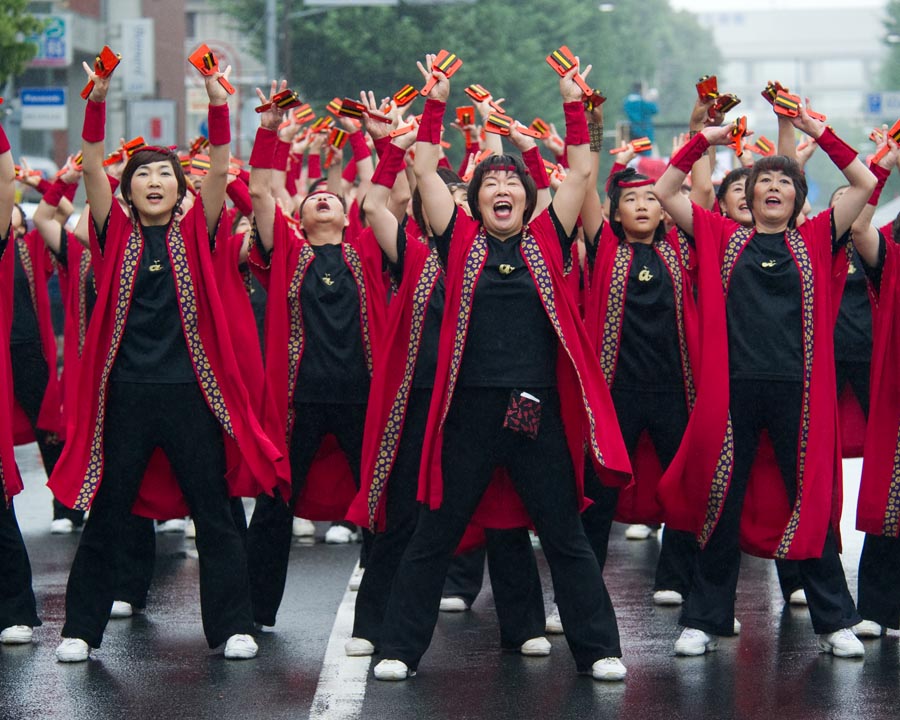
x,y
104,64
205,61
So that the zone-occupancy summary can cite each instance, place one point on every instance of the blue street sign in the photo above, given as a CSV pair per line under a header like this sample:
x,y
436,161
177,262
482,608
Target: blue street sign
x,y
42,95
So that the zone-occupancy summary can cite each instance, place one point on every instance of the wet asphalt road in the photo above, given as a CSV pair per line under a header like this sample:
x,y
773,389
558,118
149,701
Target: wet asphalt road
x,y
156,665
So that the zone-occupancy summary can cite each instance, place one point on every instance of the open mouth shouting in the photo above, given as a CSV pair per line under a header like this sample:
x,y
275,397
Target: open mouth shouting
x,y
503,209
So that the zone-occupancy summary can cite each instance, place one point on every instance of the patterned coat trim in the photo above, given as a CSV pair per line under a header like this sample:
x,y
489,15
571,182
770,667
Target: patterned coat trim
x,y
393,429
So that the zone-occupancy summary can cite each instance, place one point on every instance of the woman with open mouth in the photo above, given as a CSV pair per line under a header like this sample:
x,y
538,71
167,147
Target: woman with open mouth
x,y
158,370
324,316
516,385
768,363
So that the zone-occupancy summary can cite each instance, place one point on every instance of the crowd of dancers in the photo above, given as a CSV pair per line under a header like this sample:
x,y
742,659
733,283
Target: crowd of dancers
x,y
449,359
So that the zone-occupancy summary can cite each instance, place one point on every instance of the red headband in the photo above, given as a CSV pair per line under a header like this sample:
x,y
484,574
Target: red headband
x,y
636,183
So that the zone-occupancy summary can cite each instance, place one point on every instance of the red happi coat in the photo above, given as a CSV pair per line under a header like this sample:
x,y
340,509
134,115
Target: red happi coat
x,y
39,266
501,506
587,411
693,490
329,487
878,507
159,496
73,284
605,310
10,479
80,468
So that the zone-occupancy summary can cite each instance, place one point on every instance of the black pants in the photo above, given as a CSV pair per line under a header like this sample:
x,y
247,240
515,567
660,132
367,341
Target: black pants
x,y
847,372
857,375
710,606
269,534
137,554
30,377
465,576
140,418
515,580
17,605
879,580
664,416
474,444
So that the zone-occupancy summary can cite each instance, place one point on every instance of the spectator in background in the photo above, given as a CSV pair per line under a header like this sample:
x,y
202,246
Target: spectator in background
x,y
640,109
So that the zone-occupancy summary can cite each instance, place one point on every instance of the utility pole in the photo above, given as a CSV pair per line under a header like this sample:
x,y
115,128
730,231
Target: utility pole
x,y
271,41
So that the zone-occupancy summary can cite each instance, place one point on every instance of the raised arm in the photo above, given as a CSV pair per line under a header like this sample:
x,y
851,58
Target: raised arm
x,y
99,194
261,161
436,198
592,208
861,181
668,187
865,237
531,156
569,198
46,216
702,191
215,183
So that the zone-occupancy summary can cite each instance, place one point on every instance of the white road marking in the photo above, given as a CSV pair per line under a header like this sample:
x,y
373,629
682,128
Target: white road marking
x,y
342,682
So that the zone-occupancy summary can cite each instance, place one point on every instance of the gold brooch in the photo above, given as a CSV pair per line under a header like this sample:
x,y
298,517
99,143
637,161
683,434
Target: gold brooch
x,y
506,269
156,266
327,279
645,275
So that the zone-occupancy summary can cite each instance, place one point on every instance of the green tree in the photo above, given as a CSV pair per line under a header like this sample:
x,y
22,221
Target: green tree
x,y
17,24
502,44
890,70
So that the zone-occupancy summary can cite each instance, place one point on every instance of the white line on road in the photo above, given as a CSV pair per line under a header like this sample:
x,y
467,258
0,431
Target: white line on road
x,y
342,682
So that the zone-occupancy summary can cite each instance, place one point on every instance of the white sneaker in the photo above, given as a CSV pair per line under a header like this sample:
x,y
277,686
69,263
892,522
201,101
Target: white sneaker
x,y
638,532
175,525
392,670
356,578
737,627
16,635
798,597
241,647
340,535
303,528
667,597
62,526
121,609
553,623
841,643
190,530
358,647
72,650
869,629
609,669
453,604
536,647
695,642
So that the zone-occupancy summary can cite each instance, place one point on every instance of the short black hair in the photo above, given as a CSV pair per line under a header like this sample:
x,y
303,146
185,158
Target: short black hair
x,y
614,193
511,163
730,179
783,164
148,155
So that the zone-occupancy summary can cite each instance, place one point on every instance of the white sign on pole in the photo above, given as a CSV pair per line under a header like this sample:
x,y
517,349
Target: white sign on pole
x,y
154,120
138,68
